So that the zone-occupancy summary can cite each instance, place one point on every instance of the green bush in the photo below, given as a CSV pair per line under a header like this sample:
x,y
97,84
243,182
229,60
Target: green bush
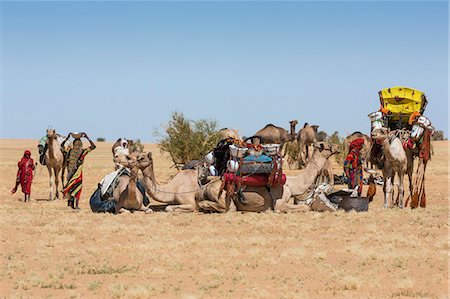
x,y
101,139
187,140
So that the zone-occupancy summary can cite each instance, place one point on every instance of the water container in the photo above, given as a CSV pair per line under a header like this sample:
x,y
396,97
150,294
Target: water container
x,y
213,171
417,131
232,166
209,158
376,118
237,152
424,121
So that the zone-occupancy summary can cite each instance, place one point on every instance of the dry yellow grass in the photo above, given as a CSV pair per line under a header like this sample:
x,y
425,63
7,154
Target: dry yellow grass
x,y
50,251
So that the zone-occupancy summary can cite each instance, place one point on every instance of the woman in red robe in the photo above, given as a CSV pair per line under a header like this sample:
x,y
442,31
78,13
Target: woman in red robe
x,y
25,174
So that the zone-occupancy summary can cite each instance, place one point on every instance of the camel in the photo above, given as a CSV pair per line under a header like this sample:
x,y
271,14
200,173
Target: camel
x,y
396,161
306,137
225,133
127,196
180,193
54,158
260,199
273,134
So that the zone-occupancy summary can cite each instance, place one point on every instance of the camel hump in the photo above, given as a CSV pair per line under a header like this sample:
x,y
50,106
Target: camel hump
x,y
270,125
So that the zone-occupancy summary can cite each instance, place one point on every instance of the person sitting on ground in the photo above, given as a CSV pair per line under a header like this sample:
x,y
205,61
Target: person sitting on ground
x,y
25,175
76,157
353,165
121,150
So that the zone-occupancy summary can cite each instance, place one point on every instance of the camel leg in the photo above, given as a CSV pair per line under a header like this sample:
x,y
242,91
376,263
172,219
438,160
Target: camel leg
x,y
57,182
387,190
146,209
123,211
285,207
401,190
50,173
186,208
211,206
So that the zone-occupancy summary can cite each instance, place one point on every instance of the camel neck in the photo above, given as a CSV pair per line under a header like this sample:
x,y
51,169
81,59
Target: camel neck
x,y
132,186
307,177
152,187
51,147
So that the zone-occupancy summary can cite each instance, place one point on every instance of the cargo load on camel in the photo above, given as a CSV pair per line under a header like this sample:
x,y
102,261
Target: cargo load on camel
x,y
401,117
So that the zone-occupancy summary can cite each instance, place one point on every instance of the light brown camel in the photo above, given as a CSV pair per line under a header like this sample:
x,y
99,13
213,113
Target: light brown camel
x,y
180,193
305,137
225,133
273,134
396,161
54,159
126,194
260,199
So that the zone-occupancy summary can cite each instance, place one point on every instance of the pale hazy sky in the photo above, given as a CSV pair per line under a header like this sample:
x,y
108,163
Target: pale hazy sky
x,y
120,68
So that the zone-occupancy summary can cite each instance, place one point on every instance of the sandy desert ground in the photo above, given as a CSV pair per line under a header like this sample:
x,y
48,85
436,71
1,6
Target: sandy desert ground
x,y
51,251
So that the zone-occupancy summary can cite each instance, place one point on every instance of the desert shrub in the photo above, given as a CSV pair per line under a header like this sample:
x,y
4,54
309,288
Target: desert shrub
x,y
136,145
439,135
291,153
101,139
187,140
321,136
339,141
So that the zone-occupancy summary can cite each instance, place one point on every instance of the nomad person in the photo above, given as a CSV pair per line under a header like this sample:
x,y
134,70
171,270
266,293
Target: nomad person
x,y
353,165
122,150
25,174
75,158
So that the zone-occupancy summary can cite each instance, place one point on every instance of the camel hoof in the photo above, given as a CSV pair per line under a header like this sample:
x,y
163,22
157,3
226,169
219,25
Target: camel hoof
x,y
169,209
385,206
149,211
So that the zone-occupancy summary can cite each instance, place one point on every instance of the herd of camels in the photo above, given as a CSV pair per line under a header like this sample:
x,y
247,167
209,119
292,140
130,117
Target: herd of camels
x,y
183,194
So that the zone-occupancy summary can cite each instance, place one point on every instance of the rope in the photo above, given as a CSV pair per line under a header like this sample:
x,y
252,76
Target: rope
x,y
184,192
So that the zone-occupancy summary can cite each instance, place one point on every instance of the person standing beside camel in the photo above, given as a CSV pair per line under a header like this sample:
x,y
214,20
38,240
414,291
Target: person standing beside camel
x,y
25,174
353,165
75,158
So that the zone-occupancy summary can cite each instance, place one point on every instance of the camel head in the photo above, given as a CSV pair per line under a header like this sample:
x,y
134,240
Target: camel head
x,y
292,134
129,161
315,127
380,134
325,149
51,133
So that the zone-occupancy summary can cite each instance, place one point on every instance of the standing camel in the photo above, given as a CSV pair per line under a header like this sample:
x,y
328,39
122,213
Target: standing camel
x,y
396,161
54,159
180,193
273,134
306,137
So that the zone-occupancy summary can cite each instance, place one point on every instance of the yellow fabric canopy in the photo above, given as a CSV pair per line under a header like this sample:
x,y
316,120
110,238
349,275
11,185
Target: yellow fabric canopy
x,y
403,100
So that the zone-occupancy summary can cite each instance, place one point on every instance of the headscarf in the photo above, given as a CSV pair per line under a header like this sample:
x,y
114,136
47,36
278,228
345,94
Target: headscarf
x,y
26,157
124,143
356,144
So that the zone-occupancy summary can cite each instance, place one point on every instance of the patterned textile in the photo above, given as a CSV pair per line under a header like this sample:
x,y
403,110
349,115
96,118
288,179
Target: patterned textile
x,y
75,171
25,173
353,165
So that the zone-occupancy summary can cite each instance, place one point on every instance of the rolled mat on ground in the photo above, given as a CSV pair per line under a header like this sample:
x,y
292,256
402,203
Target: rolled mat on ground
x,y
98,205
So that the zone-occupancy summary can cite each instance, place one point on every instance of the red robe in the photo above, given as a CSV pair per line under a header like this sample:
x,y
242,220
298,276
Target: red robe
x,y
25,174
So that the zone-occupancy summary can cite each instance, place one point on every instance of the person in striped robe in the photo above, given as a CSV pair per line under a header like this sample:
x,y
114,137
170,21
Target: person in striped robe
x,y
75,156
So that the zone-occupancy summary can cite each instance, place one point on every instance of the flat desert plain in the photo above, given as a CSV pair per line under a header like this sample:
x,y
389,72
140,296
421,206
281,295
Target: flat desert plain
x,y
51,251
